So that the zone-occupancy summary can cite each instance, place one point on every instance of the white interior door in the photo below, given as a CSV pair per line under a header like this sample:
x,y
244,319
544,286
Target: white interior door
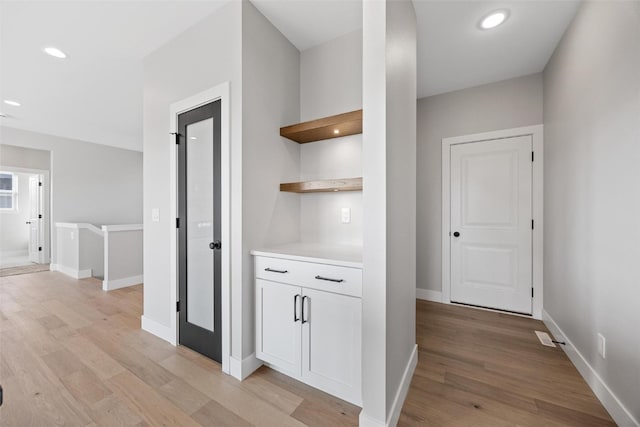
x,y
34,221
491,224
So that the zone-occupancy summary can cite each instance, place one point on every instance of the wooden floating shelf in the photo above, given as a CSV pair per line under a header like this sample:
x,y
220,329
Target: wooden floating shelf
x,y
326,128
323,186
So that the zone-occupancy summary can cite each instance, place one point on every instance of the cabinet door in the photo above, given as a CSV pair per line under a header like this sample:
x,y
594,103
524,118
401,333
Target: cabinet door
x,y
331,344
278,335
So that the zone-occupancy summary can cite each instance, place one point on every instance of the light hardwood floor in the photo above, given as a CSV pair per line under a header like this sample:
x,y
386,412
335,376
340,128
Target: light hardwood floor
x,y
71,354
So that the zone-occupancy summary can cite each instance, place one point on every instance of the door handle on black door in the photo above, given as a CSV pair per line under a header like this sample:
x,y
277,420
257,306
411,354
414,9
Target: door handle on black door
x,y
456,234
215,245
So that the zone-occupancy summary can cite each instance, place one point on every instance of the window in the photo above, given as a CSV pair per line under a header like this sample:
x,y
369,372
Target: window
x,y
8,192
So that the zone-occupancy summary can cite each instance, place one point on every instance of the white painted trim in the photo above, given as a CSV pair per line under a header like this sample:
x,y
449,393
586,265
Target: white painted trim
x,y
124,227
428,295
401,395
71,272
621,415
222,92
366,421
110,285
79,225
403,389
158,329
241,369
536,133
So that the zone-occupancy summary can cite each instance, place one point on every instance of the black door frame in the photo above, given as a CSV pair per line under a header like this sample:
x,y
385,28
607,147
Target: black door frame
x,y
193,336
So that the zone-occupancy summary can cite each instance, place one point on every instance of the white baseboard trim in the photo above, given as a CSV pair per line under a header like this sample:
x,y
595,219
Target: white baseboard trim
x,y
109,285
76,274
428,295
403,389
398,401
241,369
158,329
365,421
612,404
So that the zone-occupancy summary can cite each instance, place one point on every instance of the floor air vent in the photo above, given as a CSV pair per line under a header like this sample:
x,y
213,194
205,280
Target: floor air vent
x,y
545,339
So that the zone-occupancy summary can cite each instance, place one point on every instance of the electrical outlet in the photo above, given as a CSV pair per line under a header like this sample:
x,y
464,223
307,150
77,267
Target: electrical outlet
x,y
346,215
602,346
155,214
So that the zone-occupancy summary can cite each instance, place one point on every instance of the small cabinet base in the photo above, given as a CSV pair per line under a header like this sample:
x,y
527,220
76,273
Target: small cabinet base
x,y
311,334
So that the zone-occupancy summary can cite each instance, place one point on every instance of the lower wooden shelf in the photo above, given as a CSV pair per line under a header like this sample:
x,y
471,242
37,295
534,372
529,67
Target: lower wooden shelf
x,y
325,185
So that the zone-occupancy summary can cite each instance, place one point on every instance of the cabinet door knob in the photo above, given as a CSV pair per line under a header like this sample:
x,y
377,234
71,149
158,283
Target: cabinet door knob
x,y
456,234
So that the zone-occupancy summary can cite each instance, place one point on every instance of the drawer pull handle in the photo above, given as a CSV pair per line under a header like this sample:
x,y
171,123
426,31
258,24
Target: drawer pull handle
x,y
329,279
271,270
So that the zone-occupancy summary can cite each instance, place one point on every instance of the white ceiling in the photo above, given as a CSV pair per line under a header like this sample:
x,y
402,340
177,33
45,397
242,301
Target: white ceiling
x,y
453,53
96,94
308,23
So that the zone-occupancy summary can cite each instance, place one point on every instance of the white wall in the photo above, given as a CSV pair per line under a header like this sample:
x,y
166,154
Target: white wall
x,y
401,87
389,200
331,83
200,58
592,153
20,157
14,231
503,105
89,182
270,99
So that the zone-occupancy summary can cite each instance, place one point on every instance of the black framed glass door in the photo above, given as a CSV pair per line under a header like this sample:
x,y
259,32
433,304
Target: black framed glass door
x,y
199,230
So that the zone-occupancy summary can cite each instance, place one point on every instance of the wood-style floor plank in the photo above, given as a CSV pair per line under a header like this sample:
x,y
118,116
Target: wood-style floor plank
x,y
71,354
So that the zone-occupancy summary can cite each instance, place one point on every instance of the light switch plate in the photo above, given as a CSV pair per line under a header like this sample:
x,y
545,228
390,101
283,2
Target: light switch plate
x,y
602,346
155,214
346,215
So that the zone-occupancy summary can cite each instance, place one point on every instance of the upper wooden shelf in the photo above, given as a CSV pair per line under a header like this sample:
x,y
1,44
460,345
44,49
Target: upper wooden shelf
x,y
325,128
326,185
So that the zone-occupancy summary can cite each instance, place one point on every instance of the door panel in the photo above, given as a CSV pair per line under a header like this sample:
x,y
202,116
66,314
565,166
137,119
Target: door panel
x,y
200,219
331,343
199,247
34,222
491,259
278,325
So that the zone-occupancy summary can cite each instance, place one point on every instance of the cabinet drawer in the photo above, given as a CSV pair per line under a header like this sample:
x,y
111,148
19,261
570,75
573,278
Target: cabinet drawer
x,y
324,277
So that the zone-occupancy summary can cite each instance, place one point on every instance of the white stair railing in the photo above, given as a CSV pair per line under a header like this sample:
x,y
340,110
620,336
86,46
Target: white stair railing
x,y
112,253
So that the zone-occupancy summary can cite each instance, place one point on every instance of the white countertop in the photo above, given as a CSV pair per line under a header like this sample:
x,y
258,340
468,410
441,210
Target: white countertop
x,y
343,255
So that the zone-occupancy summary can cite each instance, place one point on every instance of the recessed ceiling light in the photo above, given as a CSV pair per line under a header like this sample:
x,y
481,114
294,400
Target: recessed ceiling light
x,y
336,131
55,52
494,19
12,103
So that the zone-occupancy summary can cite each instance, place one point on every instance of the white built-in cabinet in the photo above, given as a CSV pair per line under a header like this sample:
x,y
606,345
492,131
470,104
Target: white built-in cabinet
x,y
309,323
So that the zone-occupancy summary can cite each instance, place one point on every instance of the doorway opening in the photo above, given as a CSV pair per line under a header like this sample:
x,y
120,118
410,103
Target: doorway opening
x,y
24,246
